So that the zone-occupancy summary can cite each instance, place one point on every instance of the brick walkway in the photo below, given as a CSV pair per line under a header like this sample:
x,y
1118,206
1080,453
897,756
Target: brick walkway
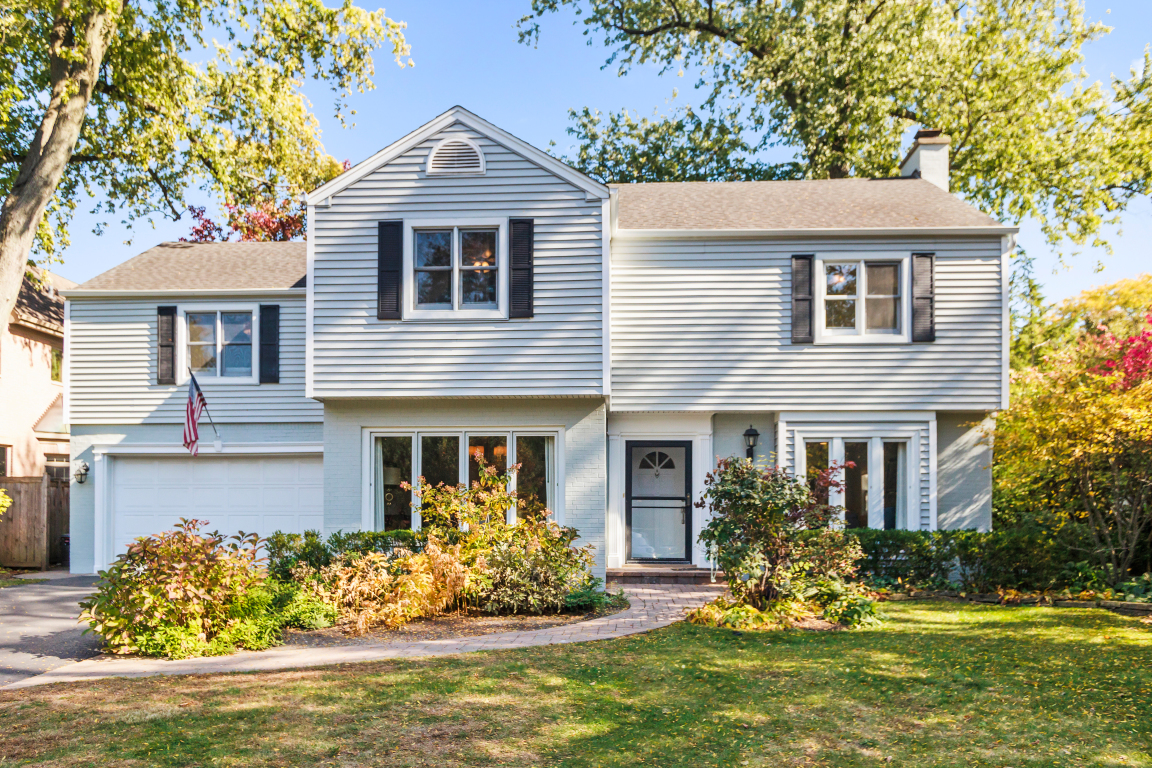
x,y
652,606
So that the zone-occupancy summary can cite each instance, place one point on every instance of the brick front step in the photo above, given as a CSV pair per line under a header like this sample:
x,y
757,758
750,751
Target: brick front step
x,y
662,574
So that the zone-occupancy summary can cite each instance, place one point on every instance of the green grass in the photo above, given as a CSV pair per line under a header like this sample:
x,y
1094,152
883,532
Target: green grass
x,y
940,684
19,582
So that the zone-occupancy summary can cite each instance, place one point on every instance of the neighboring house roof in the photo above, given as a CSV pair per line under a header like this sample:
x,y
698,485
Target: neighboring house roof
x,y
824,204
40,306
453,116
51,422
208,267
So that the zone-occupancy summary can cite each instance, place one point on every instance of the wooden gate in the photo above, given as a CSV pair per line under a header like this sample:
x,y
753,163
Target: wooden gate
x,y
31,528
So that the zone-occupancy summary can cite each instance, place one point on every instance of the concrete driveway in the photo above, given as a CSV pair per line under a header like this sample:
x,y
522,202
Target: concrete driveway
x,y
38,628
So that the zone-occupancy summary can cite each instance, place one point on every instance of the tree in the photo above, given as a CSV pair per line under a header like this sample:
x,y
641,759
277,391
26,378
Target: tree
x,y
1079,436
133,99
681,147
842,81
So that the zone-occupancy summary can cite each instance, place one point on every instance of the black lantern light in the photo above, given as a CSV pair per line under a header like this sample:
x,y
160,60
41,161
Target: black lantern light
x,y
750,438
81,473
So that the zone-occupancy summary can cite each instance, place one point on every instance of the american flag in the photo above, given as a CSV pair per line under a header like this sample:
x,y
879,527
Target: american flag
x,y
196,404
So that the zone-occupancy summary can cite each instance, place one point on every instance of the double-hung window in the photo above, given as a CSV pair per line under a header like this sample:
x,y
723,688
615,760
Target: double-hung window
x,y
862,300
219,343
458,270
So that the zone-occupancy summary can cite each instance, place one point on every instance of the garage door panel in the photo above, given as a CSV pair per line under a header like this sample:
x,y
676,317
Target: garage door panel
x,y
251,493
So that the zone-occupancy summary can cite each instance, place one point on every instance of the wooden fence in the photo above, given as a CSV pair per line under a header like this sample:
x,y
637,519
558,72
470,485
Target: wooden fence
x,y
31,528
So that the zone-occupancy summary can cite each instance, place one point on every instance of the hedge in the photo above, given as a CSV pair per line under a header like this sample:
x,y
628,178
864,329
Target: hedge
x,y
1016,558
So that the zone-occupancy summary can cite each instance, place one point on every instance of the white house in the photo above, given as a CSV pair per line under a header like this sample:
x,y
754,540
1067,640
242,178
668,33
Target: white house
x,y
464,293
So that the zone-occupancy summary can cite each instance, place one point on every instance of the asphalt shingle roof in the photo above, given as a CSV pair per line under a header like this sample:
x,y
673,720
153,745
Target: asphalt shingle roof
x,y
208,266
800,205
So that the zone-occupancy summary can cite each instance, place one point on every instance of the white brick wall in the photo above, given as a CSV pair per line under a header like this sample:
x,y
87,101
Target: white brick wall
x,y
585,449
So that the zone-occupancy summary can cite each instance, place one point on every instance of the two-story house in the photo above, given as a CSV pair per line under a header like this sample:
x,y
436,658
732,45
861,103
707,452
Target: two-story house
x,y
462,294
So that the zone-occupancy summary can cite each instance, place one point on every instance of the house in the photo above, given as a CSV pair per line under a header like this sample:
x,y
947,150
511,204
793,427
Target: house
x,y
463,294
33,433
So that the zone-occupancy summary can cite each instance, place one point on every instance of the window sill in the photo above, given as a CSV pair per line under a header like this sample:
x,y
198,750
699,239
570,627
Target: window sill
x,y
453,315
206,382
878,338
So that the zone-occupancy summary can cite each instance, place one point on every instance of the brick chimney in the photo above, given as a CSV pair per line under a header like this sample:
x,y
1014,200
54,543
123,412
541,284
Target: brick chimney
x,y
928,158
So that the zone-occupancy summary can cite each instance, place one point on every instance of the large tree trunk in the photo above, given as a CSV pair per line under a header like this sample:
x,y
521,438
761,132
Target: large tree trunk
x,y
76,49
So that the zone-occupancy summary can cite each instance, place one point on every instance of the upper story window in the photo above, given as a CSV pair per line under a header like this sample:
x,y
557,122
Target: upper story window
x,y
456,156
57,364
458,270
218,343
862,300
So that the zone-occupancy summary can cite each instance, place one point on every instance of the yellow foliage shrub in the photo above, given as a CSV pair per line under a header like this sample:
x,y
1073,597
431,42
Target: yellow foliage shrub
x,y
391,590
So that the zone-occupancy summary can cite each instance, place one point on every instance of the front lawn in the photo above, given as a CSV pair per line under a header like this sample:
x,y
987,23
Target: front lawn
x,y
939,684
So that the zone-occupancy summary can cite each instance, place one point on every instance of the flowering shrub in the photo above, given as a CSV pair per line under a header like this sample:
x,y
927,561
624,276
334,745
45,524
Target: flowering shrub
x,y
183,593
5,502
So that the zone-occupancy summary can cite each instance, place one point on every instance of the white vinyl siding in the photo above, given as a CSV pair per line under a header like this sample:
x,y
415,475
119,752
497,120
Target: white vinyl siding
x,y
112,370
558,352
705,325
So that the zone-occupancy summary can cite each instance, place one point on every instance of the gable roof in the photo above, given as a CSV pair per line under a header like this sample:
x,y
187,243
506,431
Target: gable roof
x,y
41,307
802,206
207,267
453,116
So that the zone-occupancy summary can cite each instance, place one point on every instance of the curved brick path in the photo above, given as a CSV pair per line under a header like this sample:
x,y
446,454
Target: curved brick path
x,y
652,606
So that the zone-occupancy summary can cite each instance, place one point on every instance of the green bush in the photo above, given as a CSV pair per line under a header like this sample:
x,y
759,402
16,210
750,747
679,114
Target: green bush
x,y
183,593
289,550
590,597
531,567
1026,557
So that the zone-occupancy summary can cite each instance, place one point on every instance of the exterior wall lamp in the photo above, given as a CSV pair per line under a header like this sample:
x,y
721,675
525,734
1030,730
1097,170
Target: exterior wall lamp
x,y
751,436
81,473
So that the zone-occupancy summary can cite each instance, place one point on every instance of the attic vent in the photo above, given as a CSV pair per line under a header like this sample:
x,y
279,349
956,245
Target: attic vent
x,y
456,155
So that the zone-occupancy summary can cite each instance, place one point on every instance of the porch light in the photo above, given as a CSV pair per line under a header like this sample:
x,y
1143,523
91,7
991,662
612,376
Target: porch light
x,y
751,436
81,473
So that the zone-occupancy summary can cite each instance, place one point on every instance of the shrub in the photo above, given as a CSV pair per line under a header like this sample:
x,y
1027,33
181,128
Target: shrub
x,y
531,567
183,593
389,589
289,550
5,502
768,531
1025,557
590,597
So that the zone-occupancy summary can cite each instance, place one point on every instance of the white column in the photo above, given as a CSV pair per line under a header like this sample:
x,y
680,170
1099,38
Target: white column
x,y
876,483
614,529
836,456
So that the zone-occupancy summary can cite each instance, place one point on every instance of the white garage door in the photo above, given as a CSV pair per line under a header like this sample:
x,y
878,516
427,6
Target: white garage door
x,y
256,494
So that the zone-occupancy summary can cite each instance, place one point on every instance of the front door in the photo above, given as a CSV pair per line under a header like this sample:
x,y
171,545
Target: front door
x,y
658,497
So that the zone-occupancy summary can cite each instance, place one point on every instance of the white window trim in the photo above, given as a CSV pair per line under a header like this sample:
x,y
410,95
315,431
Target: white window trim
x,y
451,138
908,494
412,312
368,479
858,335
182,359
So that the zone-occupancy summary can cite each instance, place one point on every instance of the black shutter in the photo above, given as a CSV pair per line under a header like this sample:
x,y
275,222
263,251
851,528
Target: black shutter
x,y
923,297
802,300
165,345
522,282
269,343
390,265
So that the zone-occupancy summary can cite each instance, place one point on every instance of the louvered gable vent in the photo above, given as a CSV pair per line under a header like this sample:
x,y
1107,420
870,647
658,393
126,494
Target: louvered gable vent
x,y
456,156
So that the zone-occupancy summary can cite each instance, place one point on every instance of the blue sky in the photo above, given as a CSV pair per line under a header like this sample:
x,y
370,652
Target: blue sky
x,y
466,53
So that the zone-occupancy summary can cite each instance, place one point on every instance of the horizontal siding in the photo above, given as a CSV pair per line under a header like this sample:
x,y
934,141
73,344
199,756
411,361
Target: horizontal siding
x,y
706,325
556,353
112,364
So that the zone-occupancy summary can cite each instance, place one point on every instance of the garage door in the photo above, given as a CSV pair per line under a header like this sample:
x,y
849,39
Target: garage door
x,y
259,494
